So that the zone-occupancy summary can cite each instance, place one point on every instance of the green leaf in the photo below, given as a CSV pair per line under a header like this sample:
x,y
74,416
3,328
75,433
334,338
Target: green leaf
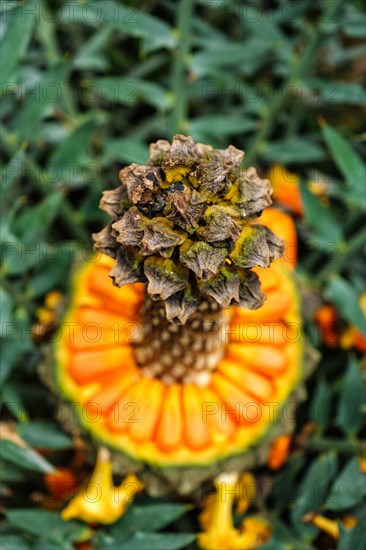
x,y
345,297
15,41
155,541
35,222
353,396
312,492
46,525
320,406
349,488
11,174
351,93
42,100
24,457
348,162
154,32
6,306
201,128
151,517
44,435
12,349
67,163
320,218
131,91
296,150
352,539
14,542
354,22
91,54
125,150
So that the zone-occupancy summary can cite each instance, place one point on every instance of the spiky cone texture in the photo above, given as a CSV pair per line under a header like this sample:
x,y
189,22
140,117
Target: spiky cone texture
x,y
185,224
179,371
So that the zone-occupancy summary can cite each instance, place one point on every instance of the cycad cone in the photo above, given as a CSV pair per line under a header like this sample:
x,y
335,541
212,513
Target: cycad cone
x,y
176,435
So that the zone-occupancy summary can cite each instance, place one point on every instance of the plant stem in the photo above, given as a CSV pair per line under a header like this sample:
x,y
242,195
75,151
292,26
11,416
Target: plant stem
x,y
179,114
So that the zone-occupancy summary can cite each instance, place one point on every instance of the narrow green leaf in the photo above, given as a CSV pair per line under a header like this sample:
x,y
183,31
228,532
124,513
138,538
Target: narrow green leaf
x,y
11,174
15,41
320,218
348,162
312,492
46,525
155,541
345,297
154,32
6,306
14,542
44,435
320,406
296,150
352,539
349,488
35,222
125,150
353,396
201,128
152,517
24,457
130,91
67,163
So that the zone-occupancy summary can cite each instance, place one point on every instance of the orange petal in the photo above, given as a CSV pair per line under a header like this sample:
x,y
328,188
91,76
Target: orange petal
x,y
125,300
275,307
268,359
126,411
196,432
258,333
97,329
107,398
213,412
149,411
236,402
255,384
87,366
170,427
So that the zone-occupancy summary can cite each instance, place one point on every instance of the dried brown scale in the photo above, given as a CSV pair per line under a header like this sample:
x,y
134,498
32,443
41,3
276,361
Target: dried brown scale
x,y
183,223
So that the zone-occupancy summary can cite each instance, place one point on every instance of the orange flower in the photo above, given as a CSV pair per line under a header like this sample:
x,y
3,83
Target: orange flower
x,y
286,189
279,452
61,483
352,337
327,320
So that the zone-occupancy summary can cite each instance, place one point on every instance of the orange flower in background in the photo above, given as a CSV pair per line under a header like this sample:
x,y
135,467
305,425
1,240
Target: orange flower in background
x,y
286,188
327,320
333,335
352,337
61,484
279,452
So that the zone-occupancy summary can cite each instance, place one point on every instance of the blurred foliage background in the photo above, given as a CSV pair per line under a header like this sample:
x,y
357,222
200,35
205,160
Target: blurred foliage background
x,y
85,87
